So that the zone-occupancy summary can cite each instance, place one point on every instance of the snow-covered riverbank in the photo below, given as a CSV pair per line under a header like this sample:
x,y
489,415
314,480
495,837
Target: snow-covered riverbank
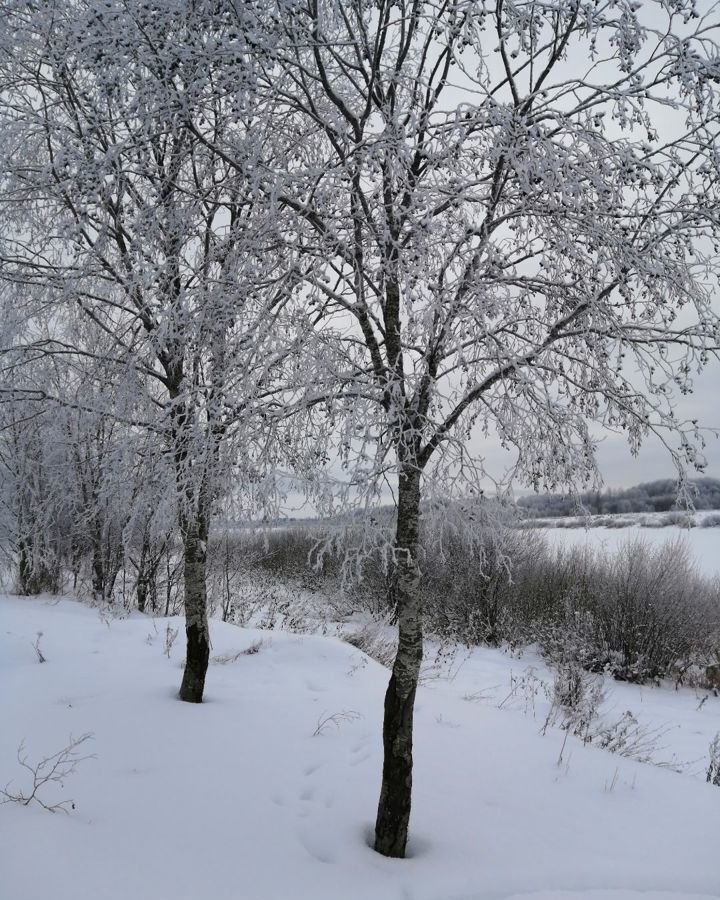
x,y
703,542
250,797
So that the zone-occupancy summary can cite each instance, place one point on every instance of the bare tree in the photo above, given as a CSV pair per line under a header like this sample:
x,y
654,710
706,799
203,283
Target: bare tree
x,y
513,206
37,487
32,507
118,213
472,215
82,492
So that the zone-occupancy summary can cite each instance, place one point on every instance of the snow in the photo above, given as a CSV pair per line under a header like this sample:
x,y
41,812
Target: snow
x,y
684,720
704,543
237,798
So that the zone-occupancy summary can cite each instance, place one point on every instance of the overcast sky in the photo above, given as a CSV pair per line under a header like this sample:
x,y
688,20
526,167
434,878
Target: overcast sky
x,y
618,467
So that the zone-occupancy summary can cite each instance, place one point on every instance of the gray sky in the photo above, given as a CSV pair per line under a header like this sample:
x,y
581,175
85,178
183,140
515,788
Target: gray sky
x,y
619,468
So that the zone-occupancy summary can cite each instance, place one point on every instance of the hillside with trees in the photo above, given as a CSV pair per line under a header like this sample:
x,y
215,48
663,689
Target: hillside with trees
x,y
651,496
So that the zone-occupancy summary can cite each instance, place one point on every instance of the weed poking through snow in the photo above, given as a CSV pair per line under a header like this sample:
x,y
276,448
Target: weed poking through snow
x,y
337,719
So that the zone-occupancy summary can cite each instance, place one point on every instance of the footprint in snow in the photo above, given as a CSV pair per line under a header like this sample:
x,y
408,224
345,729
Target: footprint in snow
x,y
316,848
308,793
311,795
358,760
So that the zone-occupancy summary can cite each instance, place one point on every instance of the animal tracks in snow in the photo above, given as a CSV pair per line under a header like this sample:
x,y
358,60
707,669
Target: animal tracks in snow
x,y
361,751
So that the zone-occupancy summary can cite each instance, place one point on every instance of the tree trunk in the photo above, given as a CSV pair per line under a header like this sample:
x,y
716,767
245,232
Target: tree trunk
x,y
141,592
24,568
393,817
98,568
196,620
141,583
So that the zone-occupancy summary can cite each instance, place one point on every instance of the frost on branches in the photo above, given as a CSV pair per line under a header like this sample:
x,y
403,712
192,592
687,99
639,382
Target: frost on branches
x,y
342,235
514,208
136,251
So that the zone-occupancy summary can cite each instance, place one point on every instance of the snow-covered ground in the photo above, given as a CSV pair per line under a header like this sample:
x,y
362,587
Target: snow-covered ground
x,y
703,542
704,518
241,799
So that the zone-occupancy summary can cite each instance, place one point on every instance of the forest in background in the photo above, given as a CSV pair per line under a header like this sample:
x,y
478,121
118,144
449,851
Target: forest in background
x,y
650,496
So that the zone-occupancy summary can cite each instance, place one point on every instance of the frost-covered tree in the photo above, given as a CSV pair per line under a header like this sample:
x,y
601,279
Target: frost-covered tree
x,y
34,508
118,213
515,209
494,215
80,487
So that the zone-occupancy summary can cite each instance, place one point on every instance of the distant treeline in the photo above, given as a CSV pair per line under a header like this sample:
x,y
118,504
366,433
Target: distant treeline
x,y
653,496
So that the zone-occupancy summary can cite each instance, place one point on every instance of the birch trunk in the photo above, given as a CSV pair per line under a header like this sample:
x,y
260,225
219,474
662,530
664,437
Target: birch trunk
x,y
393,817
196,619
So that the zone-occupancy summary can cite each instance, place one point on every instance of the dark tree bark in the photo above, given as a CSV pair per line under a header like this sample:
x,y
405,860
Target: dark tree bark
x,y
393,817
142,581
98,567
141,591
24,568
194,527
196,619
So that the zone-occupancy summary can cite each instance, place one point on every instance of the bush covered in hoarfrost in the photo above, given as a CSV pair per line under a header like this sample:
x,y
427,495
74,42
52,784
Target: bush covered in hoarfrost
x,y
641,613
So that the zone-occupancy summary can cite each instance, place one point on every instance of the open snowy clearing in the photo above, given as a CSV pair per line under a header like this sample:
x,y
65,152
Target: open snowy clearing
x,y
703,543
239,798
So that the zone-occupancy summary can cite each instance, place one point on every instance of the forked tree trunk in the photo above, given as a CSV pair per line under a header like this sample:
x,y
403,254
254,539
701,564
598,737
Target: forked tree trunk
x,y
393,817
196,619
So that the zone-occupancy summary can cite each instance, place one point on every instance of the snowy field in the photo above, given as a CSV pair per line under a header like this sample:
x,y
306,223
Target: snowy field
x,y
249,797
703,542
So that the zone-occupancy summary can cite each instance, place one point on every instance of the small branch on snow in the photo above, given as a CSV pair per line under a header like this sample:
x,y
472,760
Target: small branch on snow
x,y
336,719
52,769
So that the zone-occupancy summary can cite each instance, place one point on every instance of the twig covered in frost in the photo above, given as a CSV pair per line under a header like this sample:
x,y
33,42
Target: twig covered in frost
x,y
36,646
250,650
336,719
627,737
52,769
525,687
170,638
